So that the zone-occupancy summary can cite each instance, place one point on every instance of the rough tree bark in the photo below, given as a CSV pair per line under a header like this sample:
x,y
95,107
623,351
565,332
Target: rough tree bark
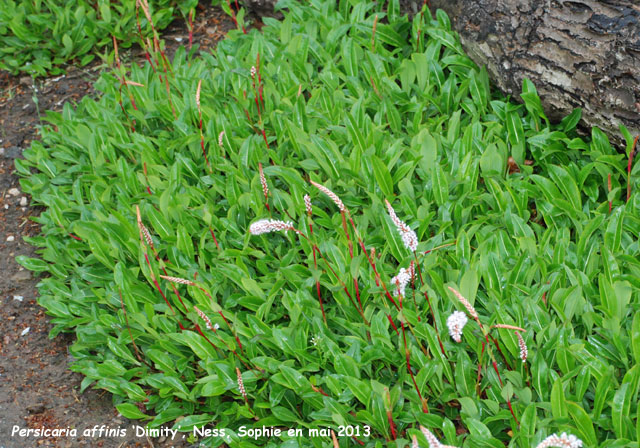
x,y
578,53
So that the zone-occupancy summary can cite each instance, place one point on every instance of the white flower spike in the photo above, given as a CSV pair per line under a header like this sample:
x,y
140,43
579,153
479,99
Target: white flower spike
x,y
400,282
456,323
563,441
307,204
409,237
433,440
269,225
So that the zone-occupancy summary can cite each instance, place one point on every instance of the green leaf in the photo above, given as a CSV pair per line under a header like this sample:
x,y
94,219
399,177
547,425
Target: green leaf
x,y
620,411
583,423
635,337
131,411
440,185
383,178
33,264
558,401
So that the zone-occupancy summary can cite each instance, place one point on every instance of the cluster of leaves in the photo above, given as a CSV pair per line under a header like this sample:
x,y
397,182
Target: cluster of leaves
x,y
375,107
37,37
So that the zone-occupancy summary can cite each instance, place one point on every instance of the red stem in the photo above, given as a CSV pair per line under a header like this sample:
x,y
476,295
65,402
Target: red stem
x,y
214,238
393,325
232,330
406,353
426,296
315,266
373,266
631,154
608,188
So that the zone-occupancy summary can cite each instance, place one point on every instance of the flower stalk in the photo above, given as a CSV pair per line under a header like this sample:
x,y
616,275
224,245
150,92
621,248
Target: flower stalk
x,y
629,165
265,188
309,209
204,152
485,343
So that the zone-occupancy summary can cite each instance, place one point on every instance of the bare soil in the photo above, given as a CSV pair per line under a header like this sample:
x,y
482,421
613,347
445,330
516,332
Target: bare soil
x,y
37,389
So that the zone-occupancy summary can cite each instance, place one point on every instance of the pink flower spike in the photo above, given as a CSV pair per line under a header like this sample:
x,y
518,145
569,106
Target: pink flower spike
x,y
307,204
198,94
241,384
433,440
523,347
465,302
334,197
220,137
263,181
182,281
204,318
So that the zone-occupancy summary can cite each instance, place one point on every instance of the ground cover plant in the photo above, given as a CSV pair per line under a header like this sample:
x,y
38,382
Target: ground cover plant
x,y
38,37
335,222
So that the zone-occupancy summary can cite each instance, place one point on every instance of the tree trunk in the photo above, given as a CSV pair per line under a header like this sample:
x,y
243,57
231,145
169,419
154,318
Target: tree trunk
x,y
578,53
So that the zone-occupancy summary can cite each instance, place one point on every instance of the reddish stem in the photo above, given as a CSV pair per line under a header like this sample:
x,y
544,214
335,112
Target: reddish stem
x,y
264,136
155,282
480,362
315,266
631,154
355,280
426,296
126,319
204,153
407,354
373,266
608,188
392,426
232,330
393,325
335,275
214,238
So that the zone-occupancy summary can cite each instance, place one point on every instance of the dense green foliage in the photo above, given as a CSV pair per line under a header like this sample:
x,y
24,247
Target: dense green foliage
x,y
403,115
37,37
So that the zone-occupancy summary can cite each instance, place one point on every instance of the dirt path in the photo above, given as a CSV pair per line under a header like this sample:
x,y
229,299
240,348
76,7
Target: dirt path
x,y
37,390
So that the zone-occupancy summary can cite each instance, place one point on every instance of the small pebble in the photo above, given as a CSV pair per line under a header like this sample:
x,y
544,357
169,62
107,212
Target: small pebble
x,y
11,238
178,39
18,298
6,206
14,192
23,201
25,331
1,151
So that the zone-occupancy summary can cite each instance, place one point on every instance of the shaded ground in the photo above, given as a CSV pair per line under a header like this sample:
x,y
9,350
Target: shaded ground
x,y
37,390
